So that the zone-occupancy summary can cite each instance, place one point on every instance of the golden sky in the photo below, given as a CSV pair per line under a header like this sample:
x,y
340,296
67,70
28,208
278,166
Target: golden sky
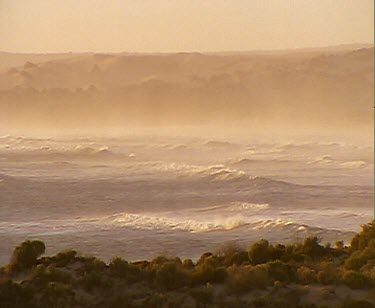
x,y
181,25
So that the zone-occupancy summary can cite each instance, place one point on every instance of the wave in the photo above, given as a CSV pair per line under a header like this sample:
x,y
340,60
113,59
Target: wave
x,y
329,161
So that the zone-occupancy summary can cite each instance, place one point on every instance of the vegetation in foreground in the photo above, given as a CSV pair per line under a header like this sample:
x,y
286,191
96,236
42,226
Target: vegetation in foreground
x,y
307,274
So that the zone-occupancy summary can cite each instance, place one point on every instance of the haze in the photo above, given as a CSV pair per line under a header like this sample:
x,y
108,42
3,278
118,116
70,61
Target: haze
x,y
171,26
145,128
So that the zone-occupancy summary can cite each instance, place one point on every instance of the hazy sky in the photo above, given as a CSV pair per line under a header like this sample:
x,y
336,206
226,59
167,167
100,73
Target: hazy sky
x,y
181,25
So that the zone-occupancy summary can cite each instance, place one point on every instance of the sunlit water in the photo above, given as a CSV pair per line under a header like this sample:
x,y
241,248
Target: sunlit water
x,y
138,197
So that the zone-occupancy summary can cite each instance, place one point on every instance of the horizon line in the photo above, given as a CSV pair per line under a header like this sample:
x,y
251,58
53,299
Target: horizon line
x,y
368,45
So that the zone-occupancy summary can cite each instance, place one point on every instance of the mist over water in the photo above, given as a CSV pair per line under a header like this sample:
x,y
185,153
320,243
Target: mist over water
x,y
141,154
139,195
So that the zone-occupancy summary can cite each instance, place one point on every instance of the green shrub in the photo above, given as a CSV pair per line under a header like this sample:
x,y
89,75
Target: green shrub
x,y
118,267
13,295
259,252
94,280
25,255
277,252
42,275
188,264
91,264
64,258
362,240
56,295
159,260
209,270
306,275
312,248
328,273
232,253
202,296
355,280
279,271
203,258
169,276
244,278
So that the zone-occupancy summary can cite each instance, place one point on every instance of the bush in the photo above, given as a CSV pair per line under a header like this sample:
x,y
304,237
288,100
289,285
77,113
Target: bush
x,y
202,296
233,253
42,275
312,248
118,267
64,258
362,240
244,278
277,252
91,264
170,276
188,264
12,295
56,295
328,273
209,270
25,255
203,258
279,271
355,280
306,275
259,252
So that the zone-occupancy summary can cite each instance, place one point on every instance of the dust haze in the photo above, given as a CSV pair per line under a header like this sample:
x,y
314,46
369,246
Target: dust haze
x,y
176,153
321,90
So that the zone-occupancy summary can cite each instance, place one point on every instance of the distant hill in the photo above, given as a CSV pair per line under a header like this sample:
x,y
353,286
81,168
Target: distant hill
x,y
324,87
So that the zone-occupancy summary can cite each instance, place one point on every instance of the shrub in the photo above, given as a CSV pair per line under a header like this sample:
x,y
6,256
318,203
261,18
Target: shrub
x,y
259,252
42,275
233,253
118,267
312,248
279,271
355,280
188,264
277,251
306,275
64,258
159,260
245,278
56,295
170,276
359,258
328,273
94,280
12,295
91,264
362,240
26,254
203,258
202,296
210,270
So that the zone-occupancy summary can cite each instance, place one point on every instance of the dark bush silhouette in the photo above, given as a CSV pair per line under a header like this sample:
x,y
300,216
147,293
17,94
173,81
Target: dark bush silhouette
x,y
312,248
362,240
259,252
119,267
280,271
25,255
265,276
170,276
355,280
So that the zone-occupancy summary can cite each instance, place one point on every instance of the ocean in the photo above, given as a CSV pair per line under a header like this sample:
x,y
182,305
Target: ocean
x,y
141,196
